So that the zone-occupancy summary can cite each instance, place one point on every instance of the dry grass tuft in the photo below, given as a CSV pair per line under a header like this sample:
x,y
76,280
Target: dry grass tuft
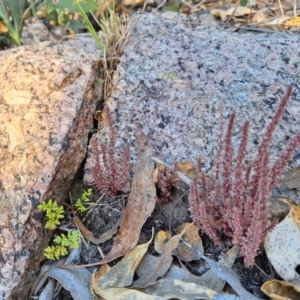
x,y
115,34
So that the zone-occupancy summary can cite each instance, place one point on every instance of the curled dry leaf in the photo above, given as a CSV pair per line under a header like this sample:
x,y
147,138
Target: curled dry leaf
x,y
210,280
182,251
282,245
281,290
39,284
88,235
161,266
293,22
121,275
233,11
161,239
48,291
191,237
276,23
176,289
76,281
228,275
259,17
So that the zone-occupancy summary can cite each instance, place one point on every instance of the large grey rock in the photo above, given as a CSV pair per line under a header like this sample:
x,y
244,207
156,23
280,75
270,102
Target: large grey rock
x,y
176,74
47,101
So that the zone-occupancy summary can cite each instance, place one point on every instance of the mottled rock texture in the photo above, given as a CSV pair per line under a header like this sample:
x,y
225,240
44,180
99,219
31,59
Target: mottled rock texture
x,y
47,101
177,73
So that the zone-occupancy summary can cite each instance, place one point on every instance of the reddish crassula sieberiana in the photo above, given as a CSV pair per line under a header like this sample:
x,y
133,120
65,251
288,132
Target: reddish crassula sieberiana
x,y
110,173
235,201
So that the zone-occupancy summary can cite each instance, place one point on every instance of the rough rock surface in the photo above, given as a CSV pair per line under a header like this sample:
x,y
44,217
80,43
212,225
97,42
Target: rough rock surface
x,y
172,85
47,103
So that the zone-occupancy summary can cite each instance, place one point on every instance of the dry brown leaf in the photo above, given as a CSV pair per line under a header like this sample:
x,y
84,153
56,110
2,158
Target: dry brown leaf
x,y
183,251
140,204
276,24
162,265
282,246
161,238
192,237
88,235
259,17
176,289
291,178
157,169
281,290
76,281
209,279
233,11
121,275
188,169
293,22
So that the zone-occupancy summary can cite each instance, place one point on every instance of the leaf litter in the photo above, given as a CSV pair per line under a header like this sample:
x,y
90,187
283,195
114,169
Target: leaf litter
x,y
159,277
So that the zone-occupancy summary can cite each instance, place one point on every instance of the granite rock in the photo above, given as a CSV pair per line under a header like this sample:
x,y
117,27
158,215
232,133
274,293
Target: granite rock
x,y
47,101
177,73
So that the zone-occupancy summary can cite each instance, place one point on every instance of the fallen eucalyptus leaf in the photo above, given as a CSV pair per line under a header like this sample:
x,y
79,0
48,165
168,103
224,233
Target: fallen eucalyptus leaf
x,y
191,237
276,24
182,251
76,281
230,277
176,289
162,265
42,278
210,280
233,11
48,291
281,290
119,293
88,235
121,275
160,241
140,203
282,245
227,297
259,17
293,22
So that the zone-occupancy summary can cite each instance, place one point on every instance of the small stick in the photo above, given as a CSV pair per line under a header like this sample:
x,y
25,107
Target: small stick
x,y
179,174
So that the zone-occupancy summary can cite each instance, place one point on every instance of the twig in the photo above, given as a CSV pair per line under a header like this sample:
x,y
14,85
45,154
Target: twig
x,y
179,174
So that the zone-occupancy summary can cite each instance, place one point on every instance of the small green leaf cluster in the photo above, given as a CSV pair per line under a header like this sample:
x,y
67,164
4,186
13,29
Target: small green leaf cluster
x,y
84,198
55,252
53,212
70,240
